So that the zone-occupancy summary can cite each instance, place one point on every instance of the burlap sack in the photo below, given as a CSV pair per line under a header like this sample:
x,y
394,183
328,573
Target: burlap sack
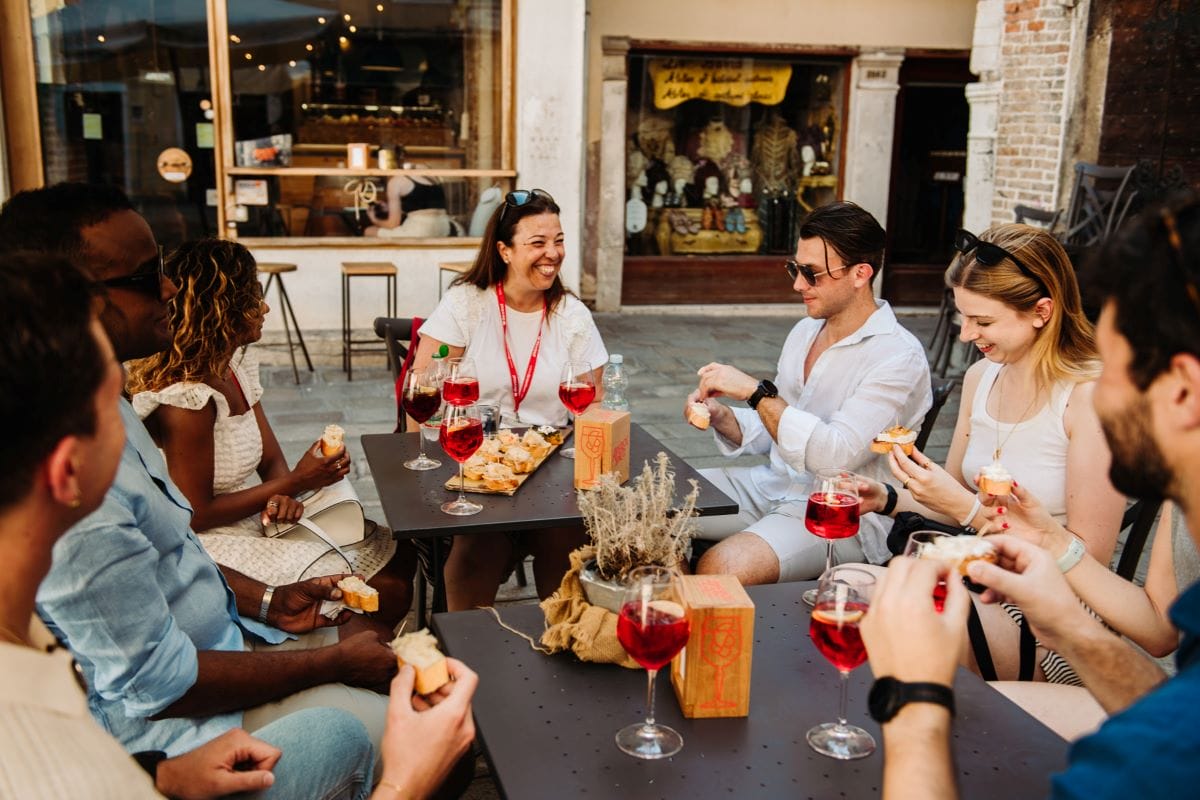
x,y
572,623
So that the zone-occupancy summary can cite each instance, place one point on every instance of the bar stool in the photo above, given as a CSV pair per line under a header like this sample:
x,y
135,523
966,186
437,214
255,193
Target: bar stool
x,y
274,274
363,269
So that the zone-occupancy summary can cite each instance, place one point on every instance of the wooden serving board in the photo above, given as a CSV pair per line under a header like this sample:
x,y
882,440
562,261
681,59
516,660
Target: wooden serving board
x,y
480,487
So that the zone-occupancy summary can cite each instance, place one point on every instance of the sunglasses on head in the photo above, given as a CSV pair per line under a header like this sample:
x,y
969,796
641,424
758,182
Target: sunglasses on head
x,y
519,197
990,254
147,278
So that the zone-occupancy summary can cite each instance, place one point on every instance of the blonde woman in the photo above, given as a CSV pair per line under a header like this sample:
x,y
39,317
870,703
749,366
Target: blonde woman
x,y
1027,406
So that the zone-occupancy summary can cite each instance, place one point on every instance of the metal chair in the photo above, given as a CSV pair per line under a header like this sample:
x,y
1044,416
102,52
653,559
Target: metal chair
x,y
274,273
397,334
944,339
1138,520
1038,217
942,389
1100,201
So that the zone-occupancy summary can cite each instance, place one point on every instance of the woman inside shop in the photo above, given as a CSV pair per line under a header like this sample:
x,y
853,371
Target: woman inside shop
x,y
1026,407
512,315
416,207
200,399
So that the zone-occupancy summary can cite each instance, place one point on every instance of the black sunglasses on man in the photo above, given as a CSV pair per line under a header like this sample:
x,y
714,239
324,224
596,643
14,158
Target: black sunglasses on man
x,y
147,278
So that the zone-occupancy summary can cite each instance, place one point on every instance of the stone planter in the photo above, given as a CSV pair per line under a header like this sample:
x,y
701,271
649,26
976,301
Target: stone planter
x,y
601,592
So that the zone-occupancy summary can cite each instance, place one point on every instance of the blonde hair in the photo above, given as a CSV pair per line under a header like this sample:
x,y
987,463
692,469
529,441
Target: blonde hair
x,y
1065,347
218,297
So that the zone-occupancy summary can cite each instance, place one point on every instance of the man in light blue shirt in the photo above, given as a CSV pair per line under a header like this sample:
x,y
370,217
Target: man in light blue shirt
x,y
175,653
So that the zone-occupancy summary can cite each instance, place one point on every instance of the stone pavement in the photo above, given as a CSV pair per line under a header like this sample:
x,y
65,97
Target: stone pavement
x,y
662,351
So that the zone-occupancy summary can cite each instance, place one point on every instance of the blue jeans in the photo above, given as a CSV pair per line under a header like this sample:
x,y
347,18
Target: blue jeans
x,y
327,755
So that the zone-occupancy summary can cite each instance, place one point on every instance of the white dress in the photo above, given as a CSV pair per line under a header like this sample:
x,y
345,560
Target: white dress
x,y
237,451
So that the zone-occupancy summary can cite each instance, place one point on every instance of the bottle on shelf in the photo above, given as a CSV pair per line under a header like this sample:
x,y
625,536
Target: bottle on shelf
x,y
616,384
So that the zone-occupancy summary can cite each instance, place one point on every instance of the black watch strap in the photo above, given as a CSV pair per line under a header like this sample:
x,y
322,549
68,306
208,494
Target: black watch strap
x,y
765,389
889,695
149,761
892,498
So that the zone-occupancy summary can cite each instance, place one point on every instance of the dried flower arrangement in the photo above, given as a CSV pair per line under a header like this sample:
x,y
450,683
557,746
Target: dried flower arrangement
x,y
638,525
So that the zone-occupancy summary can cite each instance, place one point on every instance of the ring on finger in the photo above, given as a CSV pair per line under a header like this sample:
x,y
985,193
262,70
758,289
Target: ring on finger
x,y
905,484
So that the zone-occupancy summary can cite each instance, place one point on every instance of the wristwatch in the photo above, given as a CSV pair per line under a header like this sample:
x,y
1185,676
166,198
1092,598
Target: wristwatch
x,y
889,695
1073,555
765,389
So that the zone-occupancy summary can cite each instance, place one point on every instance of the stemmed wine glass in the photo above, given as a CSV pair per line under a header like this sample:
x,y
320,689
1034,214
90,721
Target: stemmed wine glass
x,y
919,542
461,386
461,435
652,627
577,390
832,512
842,599
421,396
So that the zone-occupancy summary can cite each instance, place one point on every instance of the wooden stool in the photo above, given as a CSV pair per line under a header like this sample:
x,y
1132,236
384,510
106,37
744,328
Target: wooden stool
x,y
274,273
363,269
455,268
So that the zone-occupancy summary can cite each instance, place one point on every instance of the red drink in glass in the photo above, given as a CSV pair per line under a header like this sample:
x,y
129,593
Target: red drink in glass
x,y
831,515
461,391
461,439
653,638
422,402
836,634
576,396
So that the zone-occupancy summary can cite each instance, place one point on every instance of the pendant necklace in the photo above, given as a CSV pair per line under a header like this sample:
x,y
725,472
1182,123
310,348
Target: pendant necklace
x,y
999,405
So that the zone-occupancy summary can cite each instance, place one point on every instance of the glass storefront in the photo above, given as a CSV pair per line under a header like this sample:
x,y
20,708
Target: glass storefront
x,y
333,109
725,154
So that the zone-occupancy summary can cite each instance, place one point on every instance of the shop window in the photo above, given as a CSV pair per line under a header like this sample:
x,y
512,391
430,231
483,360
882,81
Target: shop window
x,y
326,96
124,97
725,154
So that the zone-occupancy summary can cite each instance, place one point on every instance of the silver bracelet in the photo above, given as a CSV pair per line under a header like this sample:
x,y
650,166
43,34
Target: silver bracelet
x,y
965,521
268,593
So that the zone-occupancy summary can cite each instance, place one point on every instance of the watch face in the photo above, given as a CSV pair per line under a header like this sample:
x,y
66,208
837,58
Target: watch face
x,y
769,388
884,700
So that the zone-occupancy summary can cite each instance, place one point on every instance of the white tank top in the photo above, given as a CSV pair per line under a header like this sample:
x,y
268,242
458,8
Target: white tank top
x,y
1035,451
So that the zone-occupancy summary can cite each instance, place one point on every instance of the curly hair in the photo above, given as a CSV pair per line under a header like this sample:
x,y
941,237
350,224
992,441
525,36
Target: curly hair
x,y
1065,348
219,297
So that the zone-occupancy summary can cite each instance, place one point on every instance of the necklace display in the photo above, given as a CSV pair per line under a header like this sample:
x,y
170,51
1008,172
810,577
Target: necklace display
x,y
999,405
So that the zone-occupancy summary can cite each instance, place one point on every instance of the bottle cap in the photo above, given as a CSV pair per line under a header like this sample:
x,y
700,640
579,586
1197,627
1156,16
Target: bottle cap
x,y
442,351
616,358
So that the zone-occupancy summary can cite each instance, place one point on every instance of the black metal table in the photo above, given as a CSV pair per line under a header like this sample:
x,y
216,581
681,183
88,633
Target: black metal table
x,y
547,722
412,500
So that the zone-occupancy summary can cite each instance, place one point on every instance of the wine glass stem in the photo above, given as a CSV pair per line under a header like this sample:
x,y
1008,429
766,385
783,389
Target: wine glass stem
x,y
650,675
828,554
842,702
420,442
462,494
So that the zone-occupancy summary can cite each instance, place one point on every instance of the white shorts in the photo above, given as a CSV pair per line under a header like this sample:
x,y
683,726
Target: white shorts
x,y
780,524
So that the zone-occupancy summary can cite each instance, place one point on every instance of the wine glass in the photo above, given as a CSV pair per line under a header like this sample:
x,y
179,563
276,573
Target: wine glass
x,y
420,397
577,390
842,599
652,627
832,512
918,546
461,435
461,386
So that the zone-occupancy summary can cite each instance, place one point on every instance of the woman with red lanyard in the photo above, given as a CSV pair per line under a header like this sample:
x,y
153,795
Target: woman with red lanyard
x,y
200,402
513,317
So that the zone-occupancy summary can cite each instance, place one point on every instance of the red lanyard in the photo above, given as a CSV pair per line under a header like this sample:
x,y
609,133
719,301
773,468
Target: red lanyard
x,y
519,394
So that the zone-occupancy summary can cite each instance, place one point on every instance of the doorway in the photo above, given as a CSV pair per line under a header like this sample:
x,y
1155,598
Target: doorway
x,y
929,160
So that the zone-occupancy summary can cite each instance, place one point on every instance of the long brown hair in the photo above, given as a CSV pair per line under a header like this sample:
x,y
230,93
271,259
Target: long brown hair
x,y
1065,347
218,298
489,268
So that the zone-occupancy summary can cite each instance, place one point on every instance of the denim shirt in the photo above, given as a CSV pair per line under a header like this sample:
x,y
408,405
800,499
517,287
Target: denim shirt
x,y
1152,748
134,595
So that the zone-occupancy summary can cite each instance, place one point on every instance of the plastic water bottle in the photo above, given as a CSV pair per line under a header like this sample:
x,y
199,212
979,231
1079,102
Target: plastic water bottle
x,y
616,384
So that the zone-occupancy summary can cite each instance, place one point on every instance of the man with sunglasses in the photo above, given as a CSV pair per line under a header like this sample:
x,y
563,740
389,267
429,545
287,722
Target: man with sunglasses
x,y
175,649
1148,402
847,372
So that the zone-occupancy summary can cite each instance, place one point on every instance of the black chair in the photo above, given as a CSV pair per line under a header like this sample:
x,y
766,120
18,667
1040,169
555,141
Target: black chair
x,y
1138,520
945,339
942,389
396,333
1100,201
1039,217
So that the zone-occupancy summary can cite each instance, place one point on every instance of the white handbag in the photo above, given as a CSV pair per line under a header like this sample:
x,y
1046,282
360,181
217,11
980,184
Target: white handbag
x,y
333,515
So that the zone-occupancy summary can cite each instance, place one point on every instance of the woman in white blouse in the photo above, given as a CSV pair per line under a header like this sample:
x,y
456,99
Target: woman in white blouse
x,y
512,315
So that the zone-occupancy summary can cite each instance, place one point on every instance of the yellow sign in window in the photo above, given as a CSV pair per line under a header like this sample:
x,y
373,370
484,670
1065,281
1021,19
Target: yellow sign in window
x,y
735,82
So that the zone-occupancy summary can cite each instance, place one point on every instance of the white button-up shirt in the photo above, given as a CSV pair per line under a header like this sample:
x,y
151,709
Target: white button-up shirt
x,y
865,383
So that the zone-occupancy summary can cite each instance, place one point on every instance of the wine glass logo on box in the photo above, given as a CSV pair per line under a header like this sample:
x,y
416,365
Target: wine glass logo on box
x,y
601,446
711,675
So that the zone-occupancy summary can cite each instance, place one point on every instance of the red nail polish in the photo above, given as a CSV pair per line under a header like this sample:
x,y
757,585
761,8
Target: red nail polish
x,y
1004,525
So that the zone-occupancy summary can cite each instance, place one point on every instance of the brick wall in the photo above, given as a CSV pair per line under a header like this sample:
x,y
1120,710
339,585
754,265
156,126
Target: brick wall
x,y
1034,64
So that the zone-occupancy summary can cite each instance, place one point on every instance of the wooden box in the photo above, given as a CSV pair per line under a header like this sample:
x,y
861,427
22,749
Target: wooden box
x,y
711,675
601,446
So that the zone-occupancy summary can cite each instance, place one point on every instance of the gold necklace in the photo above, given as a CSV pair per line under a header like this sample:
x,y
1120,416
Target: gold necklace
x,y
1000,405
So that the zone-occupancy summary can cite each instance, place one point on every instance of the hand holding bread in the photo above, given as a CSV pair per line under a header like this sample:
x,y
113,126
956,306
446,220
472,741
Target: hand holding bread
x,y
419,650
296,607
315,470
